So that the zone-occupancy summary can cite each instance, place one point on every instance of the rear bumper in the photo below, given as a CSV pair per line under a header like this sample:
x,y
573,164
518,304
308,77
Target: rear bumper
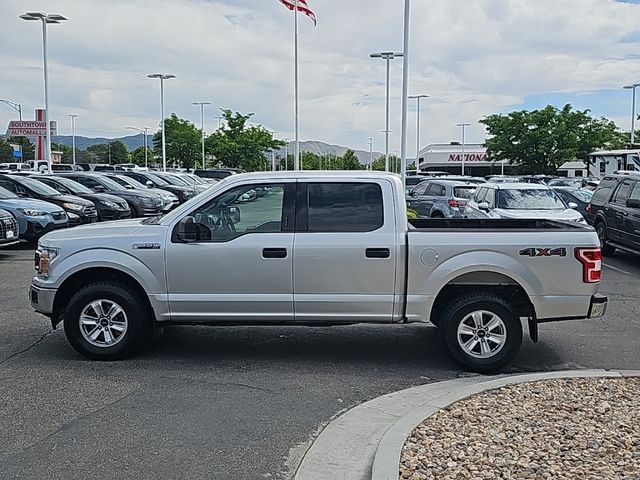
x,y
597,308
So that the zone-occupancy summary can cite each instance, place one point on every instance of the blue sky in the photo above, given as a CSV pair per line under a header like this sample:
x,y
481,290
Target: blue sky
x,y
474,58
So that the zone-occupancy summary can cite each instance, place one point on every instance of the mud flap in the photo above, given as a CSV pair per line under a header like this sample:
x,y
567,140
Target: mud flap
x,y
533,329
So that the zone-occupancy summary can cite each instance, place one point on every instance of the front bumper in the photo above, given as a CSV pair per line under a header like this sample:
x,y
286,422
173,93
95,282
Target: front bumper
x,y
42,299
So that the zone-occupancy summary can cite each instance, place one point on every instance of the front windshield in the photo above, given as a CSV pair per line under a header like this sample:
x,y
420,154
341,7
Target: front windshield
x,y
157,180
5,194
72,186
110,184
38,187
124,181
529,199
173,180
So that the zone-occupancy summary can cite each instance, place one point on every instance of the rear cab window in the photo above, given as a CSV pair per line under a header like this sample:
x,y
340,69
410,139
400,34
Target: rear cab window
x,y
344,207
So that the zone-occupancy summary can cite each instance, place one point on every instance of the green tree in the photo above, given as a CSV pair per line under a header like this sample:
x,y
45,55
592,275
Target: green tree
x,y
182,141
137,156
28,149
67,152
110,152
350,161
238,145
6,152
540,141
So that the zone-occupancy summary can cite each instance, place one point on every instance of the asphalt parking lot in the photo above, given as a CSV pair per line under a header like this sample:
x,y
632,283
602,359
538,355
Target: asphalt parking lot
x,y
235,403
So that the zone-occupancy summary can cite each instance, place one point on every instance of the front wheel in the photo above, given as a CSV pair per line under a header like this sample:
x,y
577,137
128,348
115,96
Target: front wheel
x,y
481,332
107,321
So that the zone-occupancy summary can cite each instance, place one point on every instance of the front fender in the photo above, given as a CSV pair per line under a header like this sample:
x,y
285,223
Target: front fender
x,y
148,272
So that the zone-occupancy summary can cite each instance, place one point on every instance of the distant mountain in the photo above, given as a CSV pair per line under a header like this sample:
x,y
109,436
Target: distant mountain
x,y
134,141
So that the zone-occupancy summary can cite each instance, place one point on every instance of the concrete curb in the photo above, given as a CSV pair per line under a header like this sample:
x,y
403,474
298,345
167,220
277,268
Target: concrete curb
x,y
366,442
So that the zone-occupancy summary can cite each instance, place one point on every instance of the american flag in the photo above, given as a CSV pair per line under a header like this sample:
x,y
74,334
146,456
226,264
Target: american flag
x,y
303,7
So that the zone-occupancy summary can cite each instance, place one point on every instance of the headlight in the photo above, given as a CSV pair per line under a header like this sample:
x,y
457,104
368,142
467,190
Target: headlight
x,y
113,205
44,257
32,213
73,206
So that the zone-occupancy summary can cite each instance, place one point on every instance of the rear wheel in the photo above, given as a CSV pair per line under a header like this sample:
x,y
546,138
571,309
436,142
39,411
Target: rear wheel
x,y
601,230
107,321
480,332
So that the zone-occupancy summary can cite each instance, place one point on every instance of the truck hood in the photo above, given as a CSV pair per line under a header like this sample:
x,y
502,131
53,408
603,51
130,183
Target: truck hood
x,y
118,228
568,215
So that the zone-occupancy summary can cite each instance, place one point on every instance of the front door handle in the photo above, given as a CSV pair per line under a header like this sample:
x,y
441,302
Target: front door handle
x,y
274,253
377,253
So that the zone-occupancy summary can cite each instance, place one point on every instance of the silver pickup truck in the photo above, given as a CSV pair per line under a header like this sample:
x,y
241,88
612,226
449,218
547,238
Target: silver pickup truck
x,y
316,248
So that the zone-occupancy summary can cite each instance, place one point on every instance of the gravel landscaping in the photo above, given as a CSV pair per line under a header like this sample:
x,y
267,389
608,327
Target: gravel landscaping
x,y
578,428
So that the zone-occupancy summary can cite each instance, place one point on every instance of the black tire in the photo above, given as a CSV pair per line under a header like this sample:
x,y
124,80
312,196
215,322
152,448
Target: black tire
x,y
458,312
601,230
136,317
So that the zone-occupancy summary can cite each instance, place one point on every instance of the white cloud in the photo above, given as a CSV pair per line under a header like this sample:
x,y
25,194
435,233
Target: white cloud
x,y
473,57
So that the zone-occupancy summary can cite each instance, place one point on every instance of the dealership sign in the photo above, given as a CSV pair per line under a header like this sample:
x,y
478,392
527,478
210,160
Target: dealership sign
x,y
29,128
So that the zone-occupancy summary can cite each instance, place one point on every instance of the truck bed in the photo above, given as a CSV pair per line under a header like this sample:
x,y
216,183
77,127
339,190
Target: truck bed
x,y
491,224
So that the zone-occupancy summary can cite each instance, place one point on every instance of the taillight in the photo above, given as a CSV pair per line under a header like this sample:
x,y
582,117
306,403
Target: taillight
x,y
588,209
456,203
591,260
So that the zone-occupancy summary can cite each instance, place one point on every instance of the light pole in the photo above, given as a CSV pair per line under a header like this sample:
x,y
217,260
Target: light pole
x,y
202,104
418,98
370,141
633,87
405,92
16,106
73,137
464,126
45,18
162,77
387,56
143,131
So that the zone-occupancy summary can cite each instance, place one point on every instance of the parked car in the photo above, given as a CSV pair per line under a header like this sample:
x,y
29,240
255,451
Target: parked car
x,y
9,232
109,207
218,173
79,210
440,198
169,199
520,200
141,202
14,167
34,217
355,259
615,210
152,180
580,196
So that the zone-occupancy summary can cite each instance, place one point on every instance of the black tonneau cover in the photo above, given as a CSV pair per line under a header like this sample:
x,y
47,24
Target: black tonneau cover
x,y
493,224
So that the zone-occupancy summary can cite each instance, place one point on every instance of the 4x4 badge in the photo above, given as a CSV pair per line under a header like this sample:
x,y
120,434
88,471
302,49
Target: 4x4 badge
x,y
544,252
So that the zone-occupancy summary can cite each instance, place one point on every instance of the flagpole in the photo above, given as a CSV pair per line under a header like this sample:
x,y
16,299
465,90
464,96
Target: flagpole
x,y
297,106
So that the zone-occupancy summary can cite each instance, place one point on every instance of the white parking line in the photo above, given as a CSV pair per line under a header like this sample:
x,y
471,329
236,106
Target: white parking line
x,y
617,269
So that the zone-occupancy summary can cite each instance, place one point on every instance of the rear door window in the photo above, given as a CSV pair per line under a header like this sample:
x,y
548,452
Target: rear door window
x,y
623,192
344,207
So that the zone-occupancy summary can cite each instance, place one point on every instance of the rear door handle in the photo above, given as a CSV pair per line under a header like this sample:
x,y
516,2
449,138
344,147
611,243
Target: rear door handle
x,y
377,253
274,253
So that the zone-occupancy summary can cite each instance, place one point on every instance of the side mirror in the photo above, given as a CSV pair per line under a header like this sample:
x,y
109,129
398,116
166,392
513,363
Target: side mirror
x,y
572,205
188,230
234,214
484,206
149,184
633,203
